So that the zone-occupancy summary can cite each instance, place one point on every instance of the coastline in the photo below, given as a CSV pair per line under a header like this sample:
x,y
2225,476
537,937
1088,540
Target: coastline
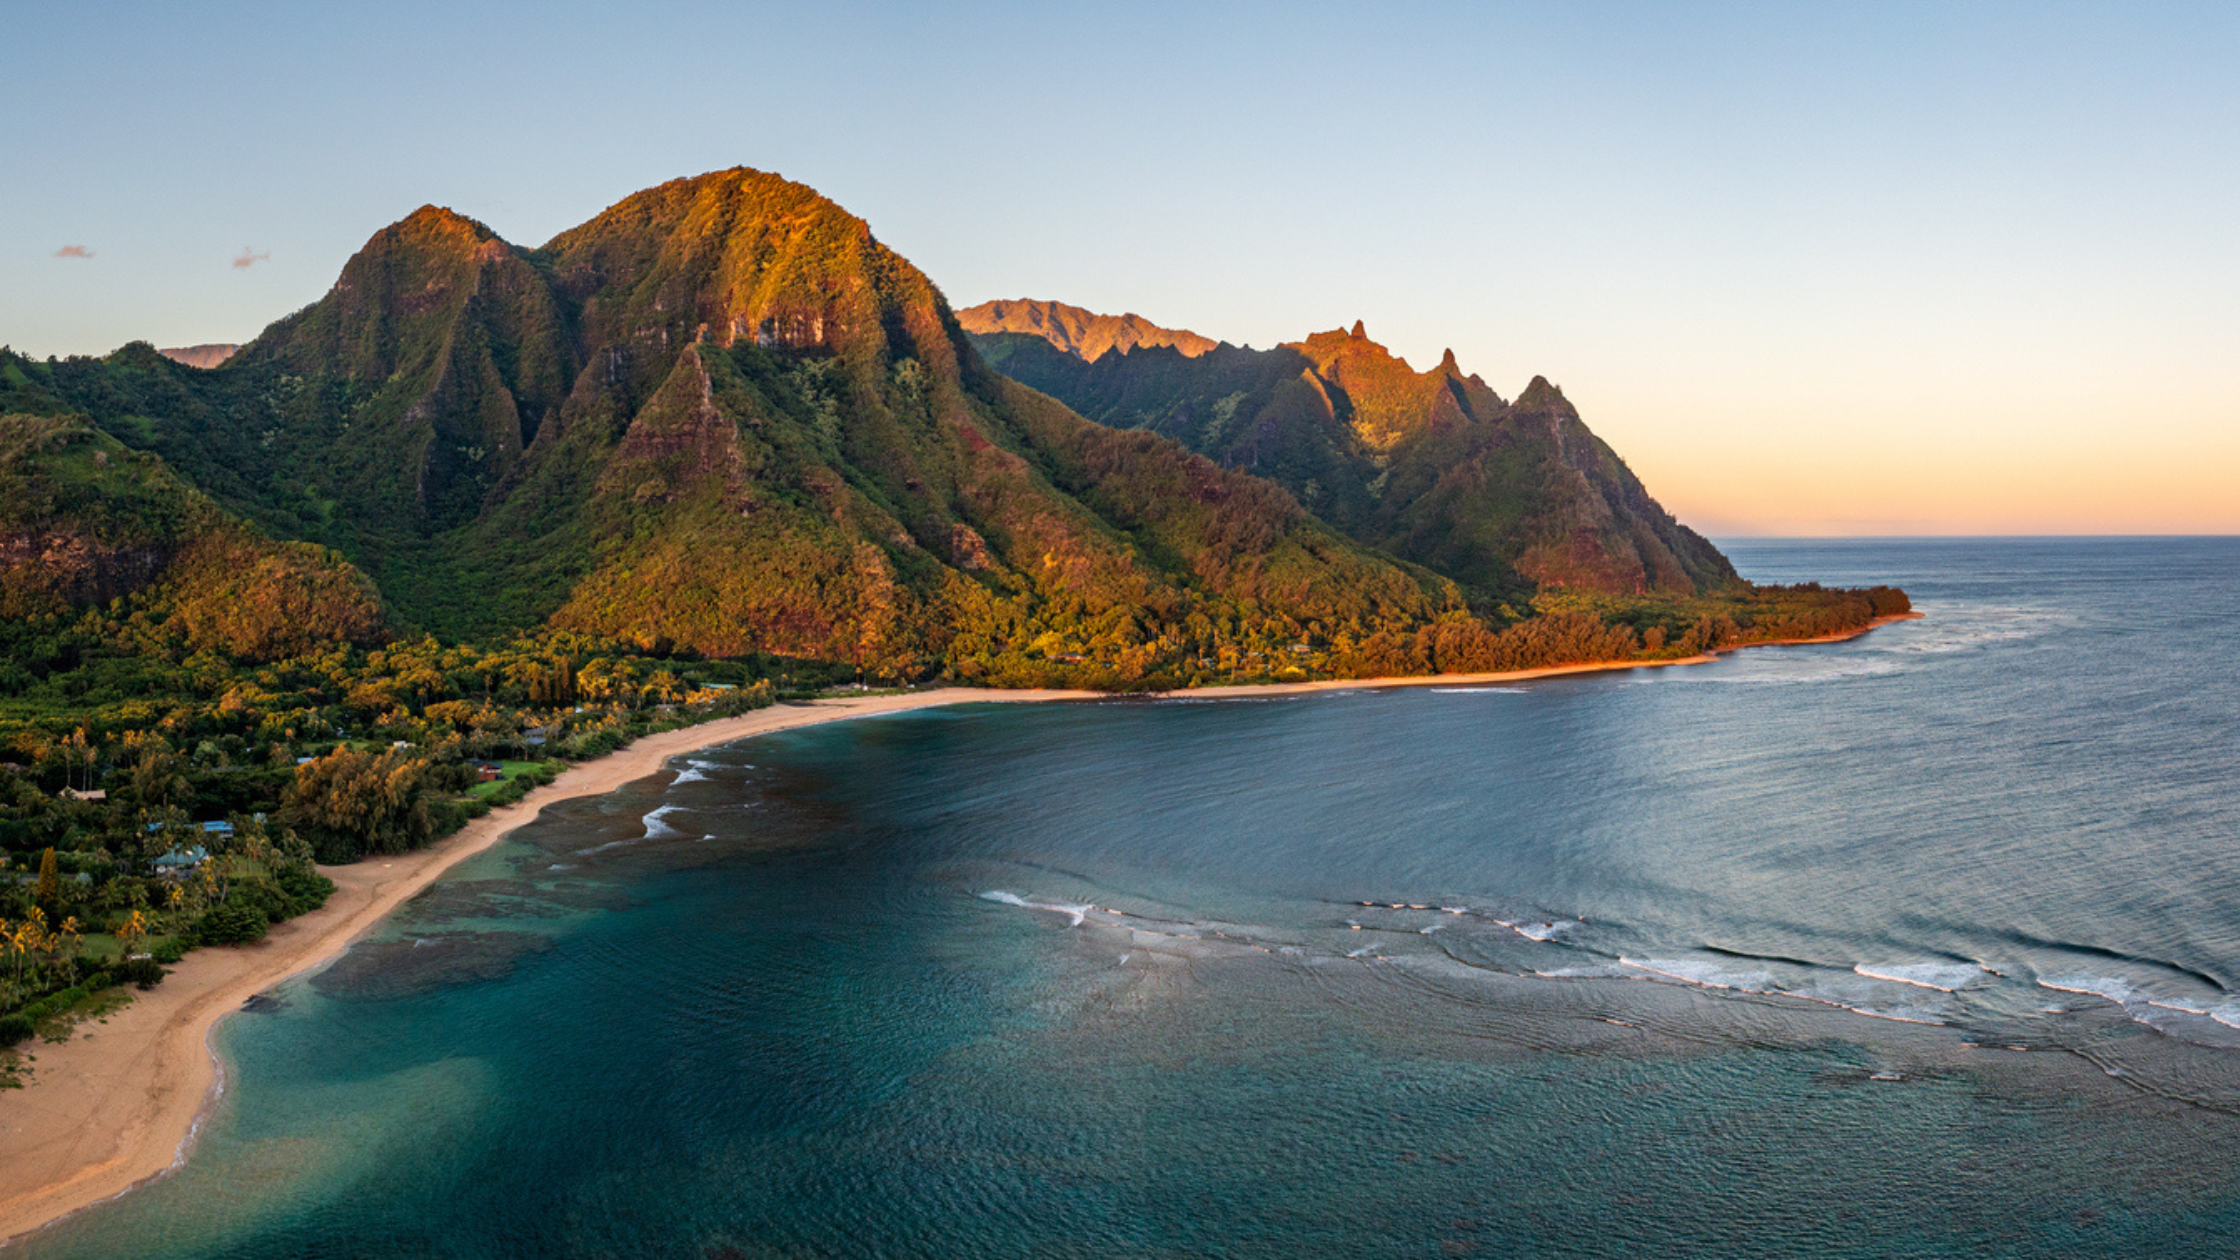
x,y
119,1102
96,1120
1520,675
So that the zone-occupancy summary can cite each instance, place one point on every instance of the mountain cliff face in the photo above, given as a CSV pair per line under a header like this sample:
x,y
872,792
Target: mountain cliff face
x,y
1432,466
1078,332
723,416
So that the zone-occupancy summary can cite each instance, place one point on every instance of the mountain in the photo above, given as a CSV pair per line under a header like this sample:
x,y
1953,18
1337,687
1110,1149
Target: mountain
x,y
85,521
204,356
1434,467
1076,331
721,416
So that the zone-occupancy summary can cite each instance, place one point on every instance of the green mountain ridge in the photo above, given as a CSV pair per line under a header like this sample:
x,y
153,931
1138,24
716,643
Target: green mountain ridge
x,y
86,521
721,416
1434,467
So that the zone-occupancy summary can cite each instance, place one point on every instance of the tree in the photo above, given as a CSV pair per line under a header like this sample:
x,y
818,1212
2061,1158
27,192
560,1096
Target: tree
x,y
351,803
158,778
50,879
131,932
77,754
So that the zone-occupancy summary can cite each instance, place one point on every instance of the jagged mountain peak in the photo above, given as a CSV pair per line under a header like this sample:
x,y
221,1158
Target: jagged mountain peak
x,y
1432,466
1541,395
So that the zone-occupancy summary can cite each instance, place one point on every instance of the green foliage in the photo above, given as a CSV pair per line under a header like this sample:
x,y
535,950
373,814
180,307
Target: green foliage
x,y
25,1020
722,421
1433,466
351,803
84,521
144,973
233,922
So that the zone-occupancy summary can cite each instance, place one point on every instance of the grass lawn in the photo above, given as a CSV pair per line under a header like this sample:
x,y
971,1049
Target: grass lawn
x,y
511,769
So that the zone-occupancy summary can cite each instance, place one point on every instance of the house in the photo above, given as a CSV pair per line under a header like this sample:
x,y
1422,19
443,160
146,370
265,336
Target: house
x,y
219,828
180,861
73,794
487,771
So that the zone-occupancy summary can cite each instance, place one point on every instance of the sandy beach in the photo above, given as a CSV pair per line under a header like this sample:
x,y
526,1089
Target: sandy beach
x,y
118,1103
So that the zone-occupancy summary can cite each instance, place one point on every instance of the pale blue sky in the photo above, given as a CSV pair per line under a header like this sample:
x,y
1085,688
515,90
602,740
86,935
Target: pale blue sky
x,y
1809,267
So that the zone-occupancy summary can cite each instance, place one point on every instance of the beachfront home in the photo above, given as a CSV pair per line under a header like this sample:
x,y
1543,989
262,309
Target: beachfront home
x,y
73,794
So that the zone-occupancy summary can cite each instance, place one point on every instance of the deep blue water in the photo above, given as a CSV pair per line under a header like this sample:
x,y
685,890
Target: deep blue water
x,y
1926,944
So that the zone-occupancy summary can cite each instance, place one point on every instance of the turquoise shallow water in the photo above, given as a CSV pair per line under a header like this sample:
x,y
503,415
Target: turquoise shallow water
x,y
1920,945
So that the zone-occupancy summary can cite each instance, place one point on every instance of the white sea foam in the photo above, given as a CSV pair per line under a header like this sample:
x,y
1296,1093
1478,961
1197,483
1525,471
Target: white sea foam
x,y
1076,911
1543,931
1708,975
1903,1013
1991,625
1774,677
2108,987
656,829
2226,1012
696,770
561,866
1608,971
1943,977
2138,1004
1478,691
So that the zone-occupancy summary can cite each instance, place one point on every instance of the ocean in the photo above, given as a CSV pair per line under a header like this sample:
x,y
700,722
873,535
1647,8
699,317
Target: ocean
x,y
1924,944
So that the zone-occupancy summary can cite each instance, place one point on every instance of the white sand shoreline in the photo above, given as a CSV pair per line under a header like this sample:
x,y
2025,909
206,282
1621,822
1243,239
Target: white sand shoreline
x,y
120,1102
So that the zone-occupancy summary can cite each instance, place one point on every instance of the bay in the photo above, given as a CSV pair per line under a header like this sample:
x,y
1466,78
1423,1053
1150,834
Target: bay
x,y
1921,944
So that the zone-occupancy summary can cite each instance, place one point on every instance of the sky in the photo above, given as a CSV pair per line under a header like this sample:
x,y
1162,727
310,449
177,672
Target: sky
x,y
1825,268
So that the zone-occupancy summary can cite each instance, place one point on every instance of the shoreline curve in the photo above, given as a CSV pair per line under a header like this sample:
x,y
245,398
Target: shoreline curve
x,y
95,1123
